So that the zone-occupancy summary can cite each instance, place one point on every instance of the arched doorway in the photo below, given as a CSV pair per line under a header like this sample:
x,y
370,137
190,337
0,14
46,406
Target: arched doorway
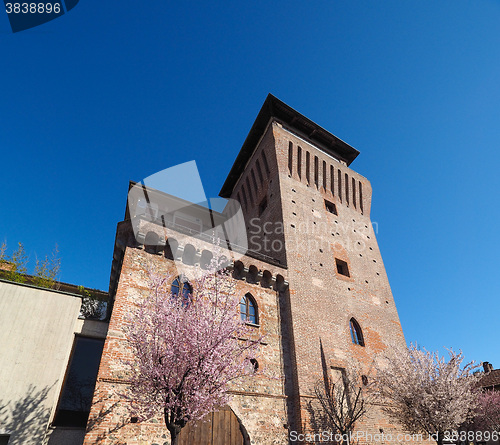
x,y
218,428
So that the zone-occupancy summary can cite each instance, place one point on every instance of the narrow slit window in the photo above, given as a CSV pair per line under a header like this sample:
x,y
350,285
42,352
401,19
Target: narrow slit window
x,y
266,165
346,188
361,196
255,187
250,194
324,176
316,171
308,167
339,179
290,157
244,195
262,206
354,192
259,171
332,180
299,162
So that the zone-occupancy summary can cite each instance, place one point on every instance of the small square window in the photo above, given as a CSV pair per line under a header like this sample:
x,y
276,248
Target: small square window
x,y
262,206
342,267
331,207
4,439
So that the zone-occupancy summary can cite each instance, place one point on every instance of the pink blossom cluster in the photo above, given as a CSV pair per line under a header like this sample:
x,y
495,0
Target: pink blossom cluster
x,y
186,354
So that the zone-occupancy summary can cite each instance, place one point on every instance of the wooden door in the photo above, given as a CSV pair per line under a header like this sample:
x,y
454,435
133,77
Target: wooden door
x,y
219,428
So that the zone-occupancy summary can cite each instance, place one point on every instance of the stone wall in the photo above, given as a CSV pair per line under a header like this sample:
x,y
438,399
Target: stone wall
x,y
258,400
314,264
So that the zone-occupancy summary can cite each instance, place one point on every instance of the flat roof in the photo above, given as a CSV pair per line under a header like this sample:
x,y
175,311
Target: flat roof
x,y
275,109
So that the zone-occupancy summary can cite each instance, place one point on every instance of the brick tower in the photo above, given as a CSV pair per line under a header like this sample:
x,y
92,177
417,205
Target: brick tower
x,y
313,273
314,212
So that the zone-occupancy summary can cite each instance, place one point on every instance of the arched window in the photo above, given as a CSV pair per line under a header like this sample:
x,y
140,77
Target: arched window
x,y
252,366
248,309
180,286
356,333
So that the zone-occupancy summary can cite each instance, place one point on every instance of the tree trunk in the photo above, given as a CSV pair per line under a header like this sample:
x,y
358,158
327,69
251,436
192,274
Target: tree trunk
x,y
174,439
440,438
173,428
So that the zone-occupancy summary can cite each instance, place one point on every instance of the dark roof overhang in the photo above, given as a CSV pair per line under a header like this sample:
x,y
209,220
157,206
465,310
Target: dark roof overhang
x,y
275,109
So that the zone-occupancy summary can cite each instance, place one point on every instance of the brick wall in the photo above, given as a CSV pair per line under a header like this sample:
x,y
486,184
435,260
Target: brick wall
x,y
305,301
260,396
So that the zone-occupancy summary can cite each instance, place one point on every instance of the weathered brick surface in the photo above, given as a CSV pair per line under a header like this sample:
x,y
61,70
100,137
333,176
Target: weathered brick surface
x,y
255,398
303,300
322,301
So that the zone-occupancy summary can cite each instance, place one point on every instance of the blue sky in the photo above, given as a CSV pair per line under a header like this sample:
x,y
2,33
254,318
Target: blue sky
x,y
110,93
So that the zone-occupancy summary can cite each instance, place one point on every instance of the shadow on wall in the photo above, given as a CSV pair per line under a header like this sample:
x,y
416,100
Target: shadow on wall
x,y
109,416
26,419
319,421
341,400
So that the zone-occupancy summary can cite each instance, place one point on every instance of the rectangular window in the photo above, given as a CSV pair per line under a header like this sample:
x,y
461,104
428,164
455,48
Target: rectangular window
x,y
331,207
76,397
290,157
342,268
4,439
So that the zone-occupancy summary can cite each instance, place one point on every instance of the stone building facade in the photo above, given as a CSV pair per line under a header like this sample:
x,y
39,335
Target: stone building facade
x,y
45,339
313,269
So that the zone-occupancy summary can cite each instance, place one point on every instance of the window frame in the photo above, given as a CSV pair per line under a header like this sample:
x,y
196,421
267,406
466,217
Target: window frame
x,y
341,266
357,337
182,282
249,300
331,208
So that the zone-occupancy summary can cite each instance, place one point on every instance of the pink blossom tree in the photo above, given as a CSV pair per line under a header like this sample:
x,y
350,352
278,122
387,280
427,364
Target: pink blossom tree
x,y
424,392
486,416
187,349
